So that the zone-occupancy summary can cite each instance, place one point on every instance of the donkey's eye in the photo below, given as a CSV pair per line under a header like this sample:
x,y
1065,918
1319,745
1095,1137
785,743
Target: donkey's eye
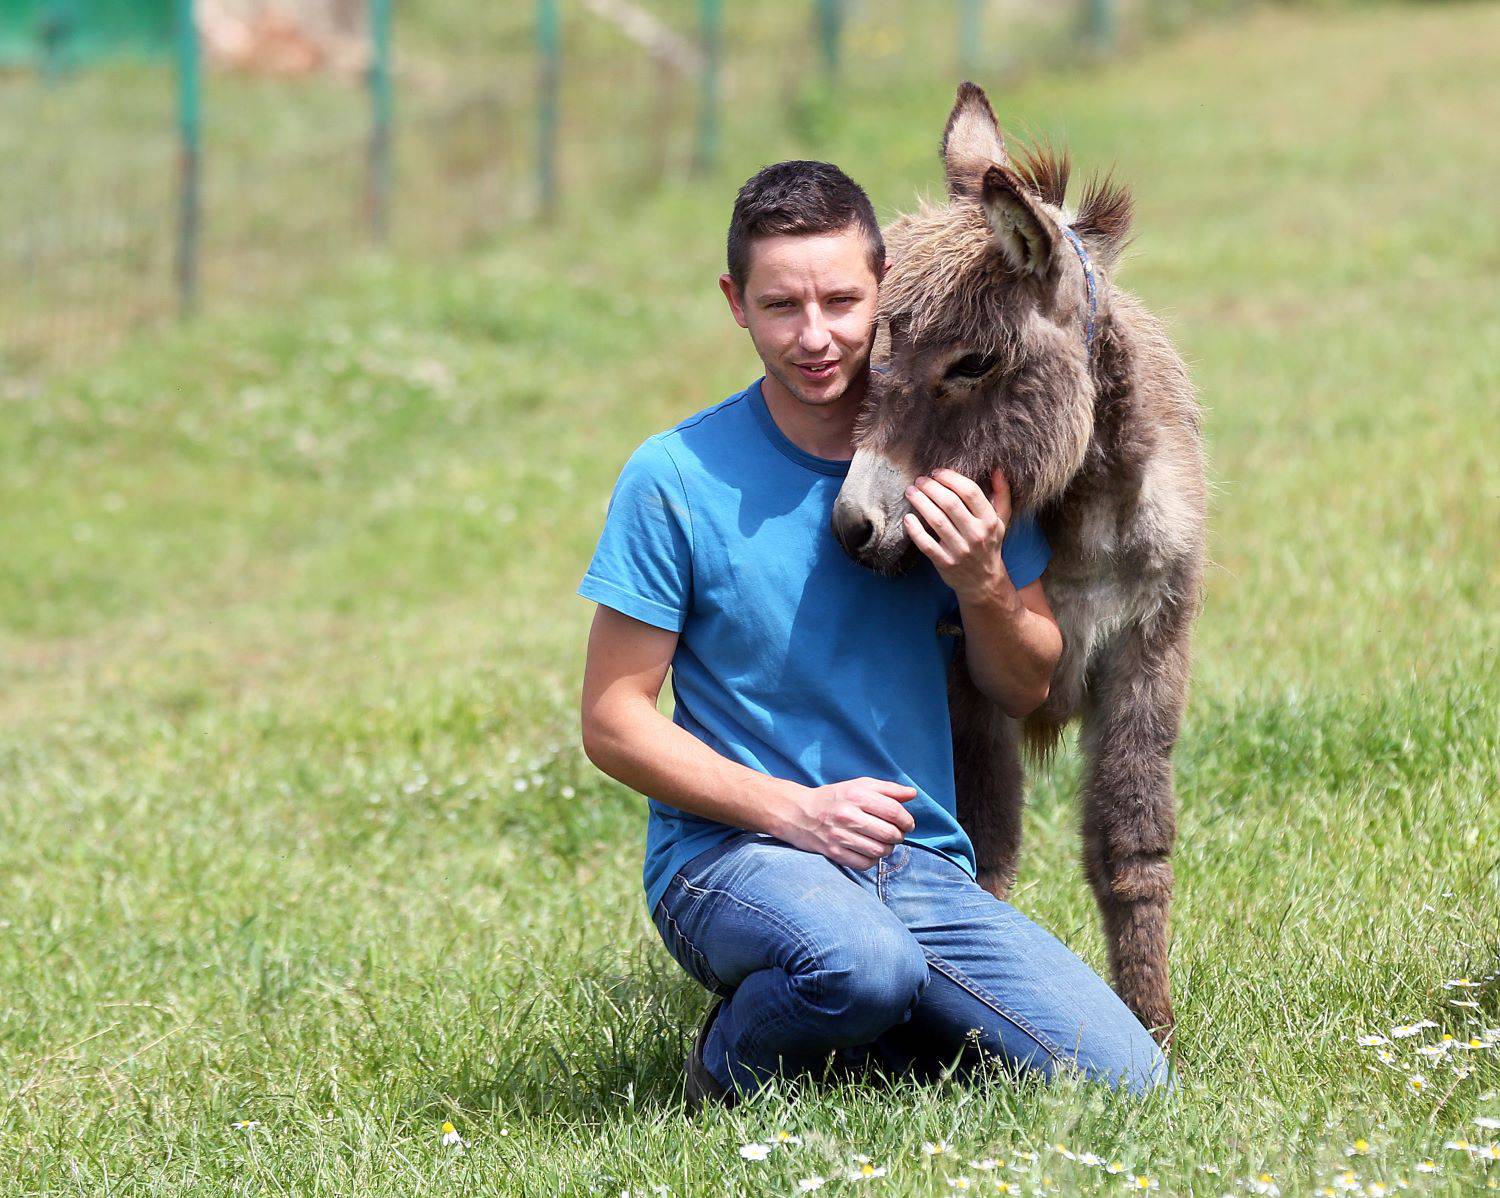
x,y
972,366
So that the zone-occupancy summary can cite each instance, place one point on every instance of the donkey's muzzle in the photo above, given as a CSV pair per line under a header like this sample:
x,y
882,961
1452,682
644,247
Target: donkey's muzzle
x,y
854,530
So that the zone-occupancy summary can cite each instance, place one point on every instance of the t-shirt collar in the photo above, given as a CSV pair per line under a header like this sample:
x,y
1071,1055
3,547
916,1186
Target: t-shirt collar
x,y
784,443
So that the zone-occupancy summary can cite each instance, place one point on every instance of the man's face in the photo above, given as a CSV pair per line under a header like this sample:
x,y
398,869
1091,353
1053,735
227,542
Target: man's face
x,y
809,305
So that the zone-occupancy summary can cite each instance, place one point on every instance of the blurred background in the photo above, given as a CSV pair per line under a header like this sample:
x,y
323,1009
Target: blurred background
x,y
325,328
165,156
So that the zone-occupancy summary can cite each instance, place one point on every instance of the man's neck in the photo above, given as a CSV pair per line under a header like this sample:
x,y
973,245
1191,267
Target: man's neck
x,y
823,430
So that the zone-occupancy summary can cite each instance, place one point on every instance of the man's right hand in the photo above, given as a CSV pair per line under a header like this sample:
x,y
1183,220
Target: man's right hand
x,y
853,823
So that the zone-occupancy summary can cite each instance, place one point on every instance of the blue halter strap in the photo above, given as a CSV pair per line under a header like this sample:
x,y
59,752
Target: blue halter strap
x,y
1088,273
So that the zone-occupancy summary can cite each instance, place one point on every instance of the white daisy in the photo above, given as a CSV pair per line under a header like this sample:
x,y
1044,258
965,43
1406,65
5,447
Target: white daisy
x,y
755,1152
451,1138
808,1184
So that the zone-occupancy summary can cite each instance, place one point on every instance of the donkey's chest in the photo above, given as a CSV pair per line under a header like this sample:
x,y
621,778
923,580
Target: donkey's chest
x,y
1091,609
1098,583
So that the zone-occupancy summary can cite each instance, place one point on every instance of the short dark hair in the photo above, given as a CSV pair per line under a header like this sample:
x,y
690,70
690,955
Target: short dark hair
x,y
799,197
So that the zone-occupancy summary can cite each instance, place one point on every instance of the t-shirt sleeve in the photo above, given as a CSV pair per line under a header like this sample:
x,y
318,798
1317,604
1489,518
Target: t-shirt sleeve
x,y
1025,553
643,565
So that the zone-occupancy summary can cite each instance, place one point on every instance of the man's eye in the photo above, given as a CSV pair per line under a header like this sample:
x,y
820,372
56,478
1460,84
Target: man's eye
x,y
971,366
780,304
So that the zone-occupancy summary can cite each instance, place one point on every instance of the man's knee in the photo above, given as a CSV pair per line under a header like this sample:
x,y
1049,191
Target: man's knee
x,y
864,983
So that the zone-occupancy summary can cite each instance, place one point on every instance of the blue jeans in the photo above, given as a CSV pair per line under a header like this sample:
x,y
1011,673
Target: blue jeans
x,y
909,964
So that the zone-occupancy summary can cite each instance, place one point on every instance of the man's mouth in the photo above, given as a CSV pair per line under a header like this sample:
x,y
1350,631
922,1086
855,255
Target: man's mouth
x,y
818,371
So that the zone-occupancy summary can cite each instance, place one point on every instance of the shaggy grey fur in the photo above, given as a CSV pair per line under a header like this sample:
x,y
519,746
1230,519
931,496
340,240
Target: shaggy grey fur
x,y
1102,441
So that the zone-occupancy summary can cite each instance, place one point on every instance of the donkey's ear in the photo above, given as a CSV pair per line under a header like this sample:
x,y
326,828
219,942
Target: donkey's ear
x,y
972,142
1024,234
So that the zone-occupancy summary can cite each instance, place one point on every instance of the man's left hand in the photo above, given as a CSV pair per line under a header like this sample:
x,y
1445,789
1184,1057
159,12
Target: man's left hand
x,y
969,528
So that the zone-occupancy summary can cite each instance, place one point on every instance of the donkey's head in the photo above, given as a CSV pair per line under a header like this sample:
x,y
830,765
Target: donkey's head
x,y
994,304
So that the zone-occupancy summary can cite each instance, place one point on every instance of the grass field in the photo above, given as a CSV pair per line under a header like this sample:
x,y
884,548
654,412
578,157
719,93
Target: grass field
x,y
294,824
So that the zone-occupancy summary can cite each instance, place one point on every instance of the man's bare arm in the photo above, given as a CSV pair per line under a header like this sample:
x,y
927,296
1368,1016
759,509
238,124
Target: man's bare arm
x,y
1011,646
853,822
1011,639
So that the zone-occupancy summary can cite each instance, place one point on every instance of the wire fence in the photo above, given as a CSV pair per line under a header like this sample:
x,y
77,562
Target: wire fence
x,y
502,113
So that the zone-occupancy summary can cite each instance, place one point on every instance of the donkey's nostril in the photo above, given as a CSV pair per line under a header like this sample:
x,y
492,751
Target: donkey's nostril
x,y
853,530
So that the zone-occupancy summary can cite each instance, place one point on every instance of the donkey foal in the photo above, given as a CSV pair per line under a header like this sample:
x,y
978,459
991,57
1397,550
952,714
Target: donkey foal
x,y
1008,345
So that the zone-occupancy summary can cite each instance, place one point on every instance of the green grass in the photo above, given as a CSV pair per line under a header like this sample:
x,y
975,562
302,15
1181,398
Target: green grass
x,y
294,825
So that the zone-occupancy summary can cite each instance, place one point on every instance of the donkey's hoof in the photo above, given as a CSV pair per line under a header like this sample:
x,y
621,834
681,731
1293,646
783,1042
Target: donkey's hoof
x,y
1156,1018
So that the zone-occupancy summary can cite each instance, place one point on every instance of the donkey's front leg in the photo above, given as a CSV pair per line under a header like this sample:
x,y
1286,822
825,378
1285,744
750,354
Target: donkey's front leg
x,y
1136,694
987,779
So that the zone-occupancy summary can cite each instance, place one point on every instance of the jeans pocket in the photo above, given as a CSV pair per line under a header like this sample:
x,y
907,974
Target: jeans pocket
x,y
683,950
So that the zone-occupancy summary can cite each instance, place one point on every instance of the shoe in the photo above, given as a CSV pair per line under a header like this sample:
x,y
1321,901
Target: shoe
x,y
701,1086
850,1064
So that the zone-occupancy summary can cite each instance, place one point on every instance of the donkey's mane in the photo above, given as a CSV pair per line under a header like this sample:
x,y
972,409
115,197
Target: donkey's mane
x,y
1106,207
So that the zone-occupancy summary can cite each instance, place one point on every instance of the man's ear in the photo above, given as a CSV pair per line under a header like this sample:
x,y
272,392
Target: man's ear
x,y
736,300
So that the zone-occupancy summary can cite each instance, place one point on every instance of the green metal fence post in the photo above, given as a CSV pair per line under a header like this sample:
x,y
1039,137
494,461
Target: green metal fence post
x,y
56,25
830,29
1102,24
711,29
189,157
970,34
378,194
549,46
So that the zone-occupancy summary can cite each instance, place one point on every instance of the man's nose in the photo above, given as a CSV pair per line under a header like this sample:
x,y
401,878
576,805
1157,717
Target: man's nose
x,y
815,337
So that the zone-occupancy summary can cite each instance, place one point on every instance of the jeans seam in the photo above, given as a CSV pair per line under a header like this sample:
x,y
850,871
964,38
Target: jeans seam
x,y
693,948
959,978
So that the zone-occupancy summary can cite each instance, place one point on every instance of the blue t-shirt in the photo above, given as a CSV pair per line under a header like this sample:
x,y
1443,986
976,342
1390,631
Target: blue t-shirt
x,y
791,659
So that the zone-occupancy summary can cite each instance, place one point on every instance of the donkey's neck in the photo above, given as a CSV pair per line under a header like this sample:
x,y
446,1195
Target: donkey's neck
x,y
1121,438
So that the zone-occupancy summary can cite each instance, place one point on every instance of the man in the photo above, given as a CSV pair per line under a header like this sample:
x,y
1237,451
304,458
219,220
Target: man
x,y
803,858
